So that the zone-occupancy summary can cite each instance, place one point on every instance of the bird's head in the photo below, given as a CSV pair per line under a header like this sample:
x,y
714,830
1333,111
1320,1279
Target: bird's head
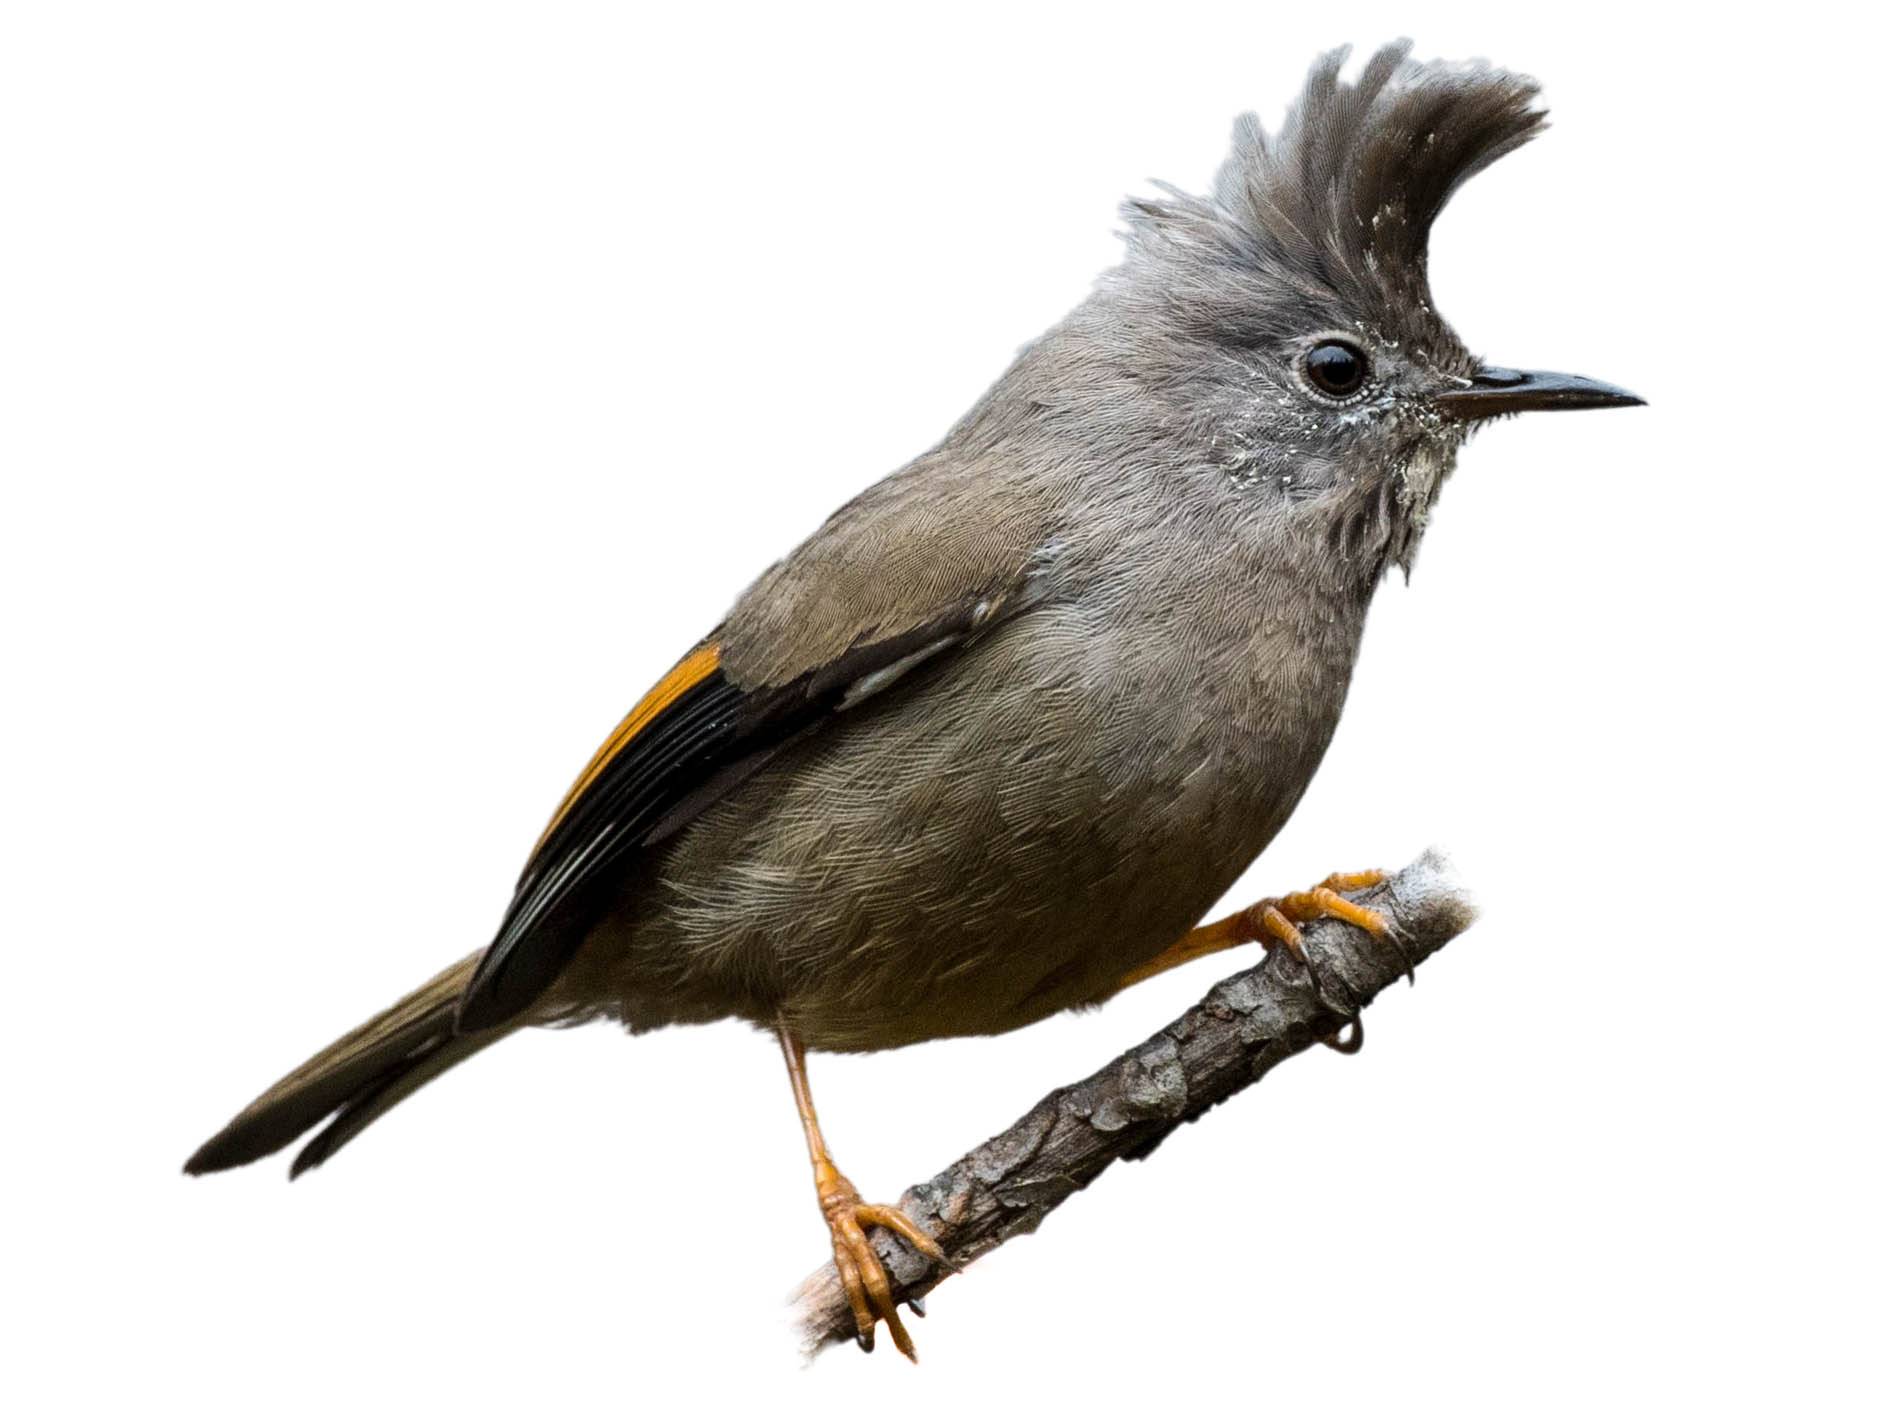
x,y
1288,316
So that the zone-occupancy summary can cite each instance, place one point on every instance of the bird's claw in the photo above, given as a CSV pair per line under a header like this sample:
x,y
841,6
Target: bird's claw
x,y
1347,1045
1277,920
868,1288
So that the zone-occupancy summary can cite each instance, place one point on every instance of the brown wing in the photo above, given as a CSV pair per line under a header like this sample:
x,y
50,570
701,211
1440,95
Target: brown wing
x,y
910,570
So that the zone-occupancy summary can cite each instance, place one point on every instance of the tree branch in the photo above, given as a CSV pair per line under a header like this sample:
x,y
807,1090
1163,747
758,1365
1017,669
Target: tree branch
x,y
1241,1028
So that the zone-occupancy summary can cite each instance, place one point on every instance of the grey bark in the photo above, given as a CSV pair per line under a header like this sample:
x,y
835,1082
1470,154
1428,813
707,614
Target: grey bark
x,y
1244,1026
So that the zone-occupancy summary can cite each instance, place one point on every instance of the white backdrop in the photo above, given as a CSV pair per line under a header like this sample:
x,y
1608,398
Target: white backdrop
x,y
390,392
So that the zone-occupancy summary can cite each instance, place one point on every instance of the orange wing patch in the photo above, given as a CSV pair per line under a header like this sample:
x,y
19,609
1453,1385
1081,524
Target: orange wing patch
x,y
691,670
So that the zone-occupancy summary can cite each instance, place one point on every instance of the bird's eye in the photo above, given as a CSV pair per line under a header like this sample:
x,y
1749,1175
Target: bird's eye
x,y
1336,368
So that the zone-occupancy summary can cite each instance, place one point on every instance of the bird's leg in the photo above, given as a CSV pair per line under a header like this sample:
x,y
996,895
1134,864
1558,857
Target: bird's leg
x,y
869,1292
1275,921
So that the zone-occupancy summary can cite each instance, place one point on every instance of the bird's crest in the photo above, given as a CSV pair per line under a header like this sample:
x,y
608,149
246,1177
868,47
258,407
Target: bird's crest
x,y
1341,199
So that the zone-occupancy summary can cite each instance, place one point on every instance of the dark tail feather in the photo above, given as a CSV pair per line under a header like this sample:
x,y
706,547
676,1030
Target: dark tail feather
x,y
387,1091
359,1076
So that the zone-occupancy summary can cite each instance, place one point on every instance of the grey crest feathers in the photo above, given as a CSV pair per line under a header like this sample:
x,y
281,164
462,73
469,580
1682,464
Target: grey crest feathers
x,y
1336,208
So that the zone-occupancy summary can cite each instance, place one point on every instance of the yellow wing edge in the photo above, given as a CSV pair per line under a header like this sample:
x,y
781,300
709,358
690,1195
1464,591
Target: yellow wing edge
x,y
688,672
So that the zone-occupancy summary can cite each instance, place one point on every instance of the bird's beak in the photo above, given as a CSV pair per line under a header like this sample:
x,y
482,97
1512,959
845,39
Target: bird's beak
x,y
1499,391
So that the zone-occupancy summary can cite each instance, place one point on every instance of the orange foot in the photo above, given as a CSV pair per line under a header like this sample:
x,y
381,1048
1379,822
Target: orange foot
x,y
869,1291
1278,919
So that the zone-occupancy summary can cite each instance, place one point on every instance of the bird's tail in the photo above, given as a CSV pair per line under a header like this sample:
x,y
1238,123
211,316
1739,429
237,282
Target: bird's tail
x,y
355,1080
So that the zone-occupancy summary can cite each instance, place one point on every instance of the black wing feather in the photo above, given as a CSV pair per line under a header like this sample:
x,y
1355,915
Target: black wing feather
x,y
582,861
696,749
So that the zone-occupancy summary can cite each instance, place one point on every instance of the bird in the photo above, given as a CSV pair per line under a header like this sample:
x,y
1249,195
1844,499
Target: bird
x,y
992,741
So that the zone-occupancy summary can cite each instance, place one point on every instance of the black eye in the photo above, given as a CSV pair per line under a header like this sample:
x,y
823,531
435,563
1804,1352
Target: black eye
x,y
1336,368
